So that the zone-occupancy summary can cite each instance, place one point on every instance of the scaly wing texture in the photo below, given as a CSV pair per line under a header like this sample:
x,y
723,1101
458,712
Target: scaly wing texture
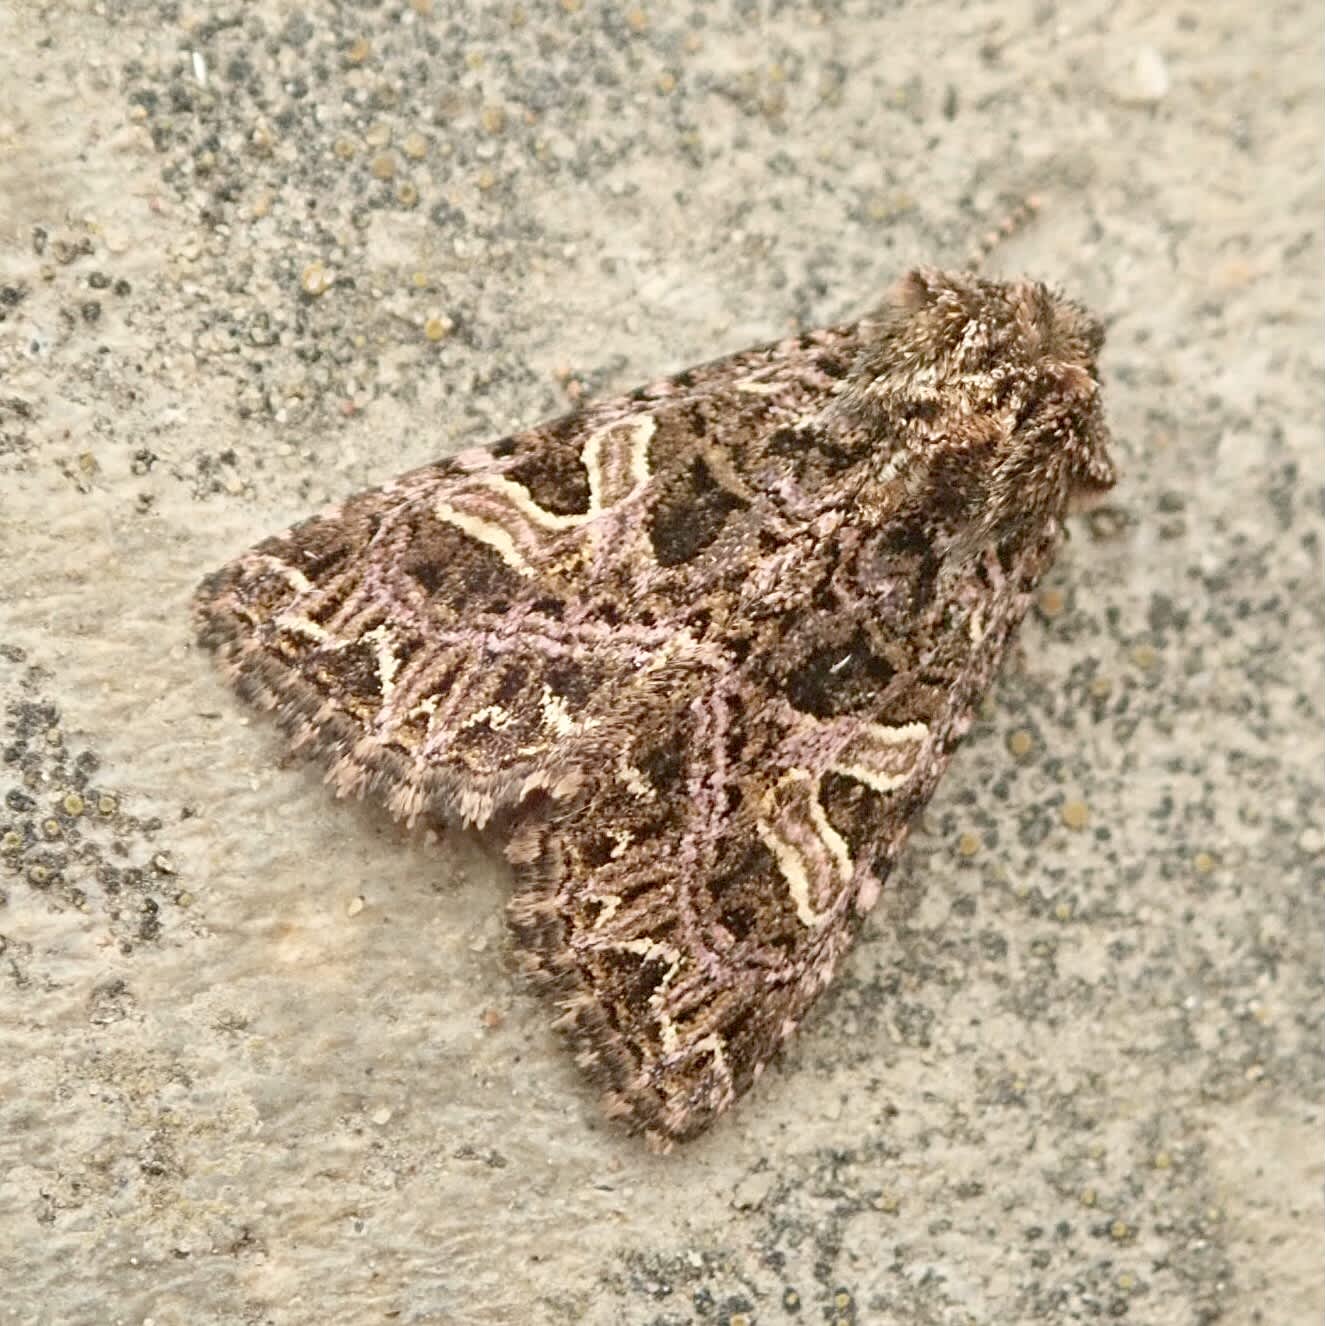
x,y
706,648
455,637
698,897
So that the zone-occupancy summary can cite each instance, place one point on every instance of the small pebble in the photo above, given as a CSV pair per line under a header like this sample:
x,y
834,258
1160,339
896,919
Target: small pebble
x,y
1146,81
1076,814
1052,603
316,280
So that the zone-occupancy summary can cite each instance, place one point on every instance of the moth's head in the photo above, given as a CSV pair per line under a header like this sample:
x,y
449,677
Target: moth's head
x,y
986,398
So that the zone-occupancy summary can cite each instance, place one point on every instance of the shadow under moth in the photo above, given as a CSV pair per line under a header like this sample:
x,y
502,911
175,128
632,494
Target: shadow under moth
x,y
701,652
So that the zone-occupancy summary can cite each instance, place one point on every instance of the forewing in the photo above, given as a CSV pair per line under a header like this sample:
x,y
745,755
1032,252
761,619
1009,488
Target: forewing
x,y
697,900
458,638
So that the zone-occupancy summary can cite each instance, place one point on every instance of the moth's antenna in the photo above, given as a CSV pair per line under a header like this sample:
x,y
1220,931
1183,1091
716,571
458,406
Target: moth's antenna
x,y
1015,220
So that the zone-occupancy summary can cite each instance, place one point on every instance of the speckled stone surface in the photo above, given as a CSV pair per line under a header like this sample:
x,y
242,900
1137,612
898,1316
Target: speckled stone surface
x,y
263,1058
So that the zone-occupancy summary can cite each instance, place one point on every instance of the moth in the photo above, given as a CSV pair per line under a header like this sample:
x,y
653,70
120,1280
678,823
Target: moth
x,y
701,652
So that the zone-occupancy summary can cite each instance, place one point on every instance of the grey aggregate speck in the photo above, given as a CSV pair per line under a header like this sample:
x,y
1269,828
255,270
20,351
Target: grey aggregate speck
x,y
263,1057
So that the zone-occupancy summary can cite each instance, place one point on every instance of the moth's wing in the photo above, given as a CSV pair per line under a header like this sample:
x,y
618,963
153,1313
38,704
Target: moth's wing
x,y
454,637
696,901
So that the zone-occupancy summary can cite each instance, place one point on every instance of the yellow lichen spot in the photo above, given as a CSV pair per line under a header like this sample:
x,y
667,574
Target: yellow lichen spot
x,y
1076,814
1120,1230
638,19
1089,1197
493,119
51,828
1203,863
968,844
1127,1281
1163,1160
437,327
406,194
739,1319
1063,911
11,842
1021,743
107,805
474,59
316,279
888,1203
73,804
1052,603
1145,657
384,166
415,146
261,206
841,1300
486,180
420,280
422,7
1101,688
344,147
572,6
666,82
359,51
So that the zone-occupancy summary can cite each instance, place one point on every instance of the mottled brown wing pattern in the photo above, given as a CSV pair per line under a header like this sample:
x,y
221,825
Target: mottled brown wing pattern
x,y
706,647
699,895
440,637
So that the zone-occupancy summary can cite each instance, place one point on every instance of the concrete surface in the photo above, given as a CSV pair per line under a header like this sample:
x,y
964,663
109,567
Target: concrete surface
x,y
263,1057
